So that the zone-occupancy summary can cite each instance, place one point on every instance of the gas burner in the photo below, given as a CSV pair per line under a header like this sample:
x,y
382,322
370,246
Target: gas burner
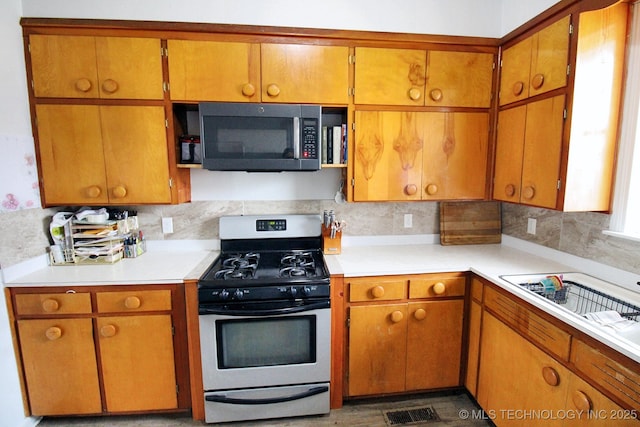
x,y
241,261
235,273
298,259
296,272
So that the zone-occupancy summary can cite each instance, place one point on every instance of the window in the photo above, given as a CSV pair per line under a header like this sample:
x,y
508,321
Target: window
x,y
625,218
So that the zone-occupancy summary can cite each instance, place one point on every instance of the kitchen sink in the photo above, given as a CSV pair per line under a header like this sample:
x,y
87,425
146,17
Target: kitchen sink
x,y
615,310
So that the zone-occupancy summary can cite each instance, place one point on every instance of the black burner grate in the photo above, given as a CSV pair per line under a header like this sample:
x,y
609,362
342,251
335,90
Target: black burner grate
x,y
408,416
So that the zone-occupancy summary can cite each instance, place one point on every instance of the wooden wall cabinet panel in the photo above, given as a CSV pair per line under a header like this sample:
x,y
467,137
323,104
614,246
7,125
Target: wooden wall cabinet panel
x,y
60,367
96,67
305,73
108,155
214,71
537,64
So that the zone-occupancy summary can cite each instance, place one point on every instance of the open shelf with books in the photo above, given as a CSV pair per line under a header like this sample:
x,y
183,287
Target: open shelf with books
x,y
334,137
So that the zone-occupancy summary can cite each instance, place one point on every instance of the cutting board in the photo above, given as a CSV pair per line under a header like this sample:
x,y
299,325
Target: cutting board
x,y
470,223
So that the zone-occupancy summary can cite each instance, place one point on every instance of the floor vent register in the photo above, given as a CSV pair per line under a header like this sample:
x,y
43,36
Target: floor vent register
x,y
410,416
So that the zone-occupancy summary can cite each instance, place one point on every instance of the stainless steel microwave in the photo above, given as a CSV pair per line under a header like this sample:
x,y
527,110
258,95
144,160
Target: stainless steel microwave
x,y
260,137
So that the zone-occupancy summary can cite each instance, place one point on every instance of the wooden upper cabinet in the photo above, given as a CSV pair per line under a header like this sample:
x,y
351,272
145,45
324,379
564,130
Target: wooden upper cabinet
x,y
390,76
214,71
537,64
459,79
454,164
96,67
305,73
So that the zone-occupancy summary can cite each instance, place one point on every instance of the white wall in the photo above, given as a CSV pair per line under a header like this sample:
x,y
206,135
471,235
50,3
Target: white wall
x,y
516,13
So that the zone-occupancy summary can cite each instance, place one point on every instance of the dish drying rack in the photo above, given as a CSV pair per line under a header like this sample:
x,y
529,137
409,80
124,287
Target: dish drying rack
x,y
582,299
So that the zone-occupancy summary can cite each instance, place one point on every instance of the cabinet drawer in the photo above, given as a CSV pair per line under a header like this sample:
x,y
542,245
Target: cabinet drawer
x,y
377,290
607,373
61,303
528,324
437,287
157,300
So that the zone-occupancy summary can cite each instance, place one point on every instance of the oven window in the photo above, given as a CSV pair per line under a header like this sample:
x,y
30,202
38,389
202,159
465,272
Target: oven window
x,y
244,343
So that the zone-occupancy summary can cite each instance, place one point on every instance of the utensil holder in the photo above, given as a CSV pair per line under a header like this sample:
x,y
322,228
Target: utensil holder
x,y
331,246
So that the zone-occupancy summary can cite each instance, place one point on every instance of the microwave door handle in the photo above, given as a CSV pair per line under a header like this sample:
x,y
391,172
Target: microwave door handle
x,y
266,401
296,137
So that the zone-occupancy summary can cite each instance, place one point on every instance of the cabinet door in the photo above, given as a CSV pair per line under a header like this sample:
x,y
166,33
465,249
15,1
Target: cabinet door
x,y
305,73
434,344
455,156
390,76
136,156
473,352
388,157
549,58
60,366
377,349
64,66
136,354
459,79
542,149
129,67
514,76
516,375
214,71
509,150
71,155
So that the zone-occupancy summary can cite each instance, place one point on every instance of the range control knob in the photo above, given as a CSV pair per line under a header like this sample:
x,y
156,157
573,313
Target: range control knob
x,y
306,291
238,294
293,291
224,294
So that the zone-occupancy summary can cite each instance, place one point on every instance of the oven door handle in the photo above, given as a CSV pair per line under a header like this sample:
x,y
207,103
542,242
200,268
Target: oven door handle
x,y
235,401
268,312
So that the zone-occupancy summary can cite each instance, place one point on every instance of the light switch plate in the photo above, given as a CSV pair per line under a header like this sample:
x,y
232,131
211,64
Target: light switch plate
x,y
531,226
167,225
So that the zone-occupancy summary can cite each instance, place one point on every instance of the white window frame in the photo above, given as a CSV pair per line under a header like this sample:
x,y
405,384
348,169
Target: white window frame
x,y
619,224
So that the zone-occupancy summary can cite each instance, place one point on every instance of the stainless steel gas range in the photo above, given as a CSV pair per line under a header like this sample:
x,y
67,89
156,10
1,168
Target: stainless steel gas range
x,y
264,312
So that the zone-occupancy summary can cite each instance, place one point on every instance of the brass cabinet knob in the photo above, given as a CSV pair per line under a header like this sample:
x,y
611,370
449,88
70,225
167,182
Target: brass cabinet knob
x,y
119,192
510,190
248,90
53,333
397,316
537,81
529,192
581,401
109,86
93,191
50,305
410,189
273,90
420,314
83,85
377,291
132,302
108,331
415,94
439,288
431,189
436,95
518,88
550,376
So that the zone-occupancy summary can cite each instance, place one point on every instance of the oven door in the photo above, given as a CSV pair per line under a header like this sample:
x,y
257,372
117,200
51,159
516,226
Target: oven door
x,y
255,350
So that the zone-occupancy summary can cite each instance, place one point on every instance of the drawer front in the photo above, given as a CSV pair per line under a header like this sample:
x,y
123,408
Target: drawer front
x,y
52,304
607,373
477,289
437,287
376,290
529,324
133,301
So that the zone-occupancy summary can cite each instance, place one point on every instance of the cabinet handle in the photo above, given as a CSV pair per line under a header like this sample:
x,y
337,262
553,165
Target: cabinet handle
x,y
108,331
119,192
53,333
132,302
50,305
414,94
93,191
439,288
397,316
431,189
582,401
537,81
510,190
420,314
248,90
377,292
518,88
529,192
550,376
110,86
83,85
410,189
436,95
273,90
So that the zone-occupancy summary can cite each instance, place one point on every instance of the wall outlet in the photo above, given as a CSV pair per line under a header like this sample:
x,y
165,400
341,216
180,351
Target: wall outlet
x,y
408,220
167,225
531,226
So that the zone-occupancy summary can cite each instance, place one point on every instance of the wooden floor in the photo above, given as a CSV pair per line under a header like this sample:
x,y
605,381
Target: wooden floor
x,y
453,409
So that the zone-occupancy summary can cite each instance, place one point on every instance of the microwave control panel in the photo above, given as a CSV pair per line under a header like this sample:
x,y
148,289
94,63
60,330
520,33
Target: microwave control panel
x,y
310,144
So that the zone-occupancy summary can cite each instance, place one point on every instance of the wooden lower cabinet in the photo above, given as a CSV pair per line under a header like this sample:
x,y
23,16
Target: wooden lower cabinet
x,y
404,334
